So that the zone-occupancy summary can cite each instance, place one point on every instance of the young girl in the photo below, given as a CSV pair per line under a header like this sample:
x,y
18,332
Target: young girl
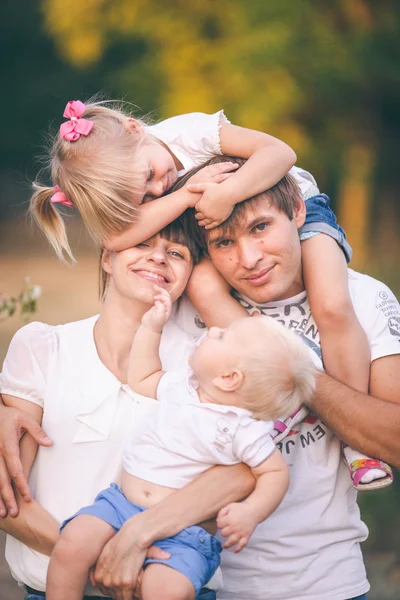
x,y
109,166
217,412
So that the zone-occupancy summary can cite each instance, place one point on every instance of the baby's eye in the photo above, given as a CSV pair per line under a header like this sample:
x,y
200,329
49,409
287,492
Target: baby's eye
x,y
150,175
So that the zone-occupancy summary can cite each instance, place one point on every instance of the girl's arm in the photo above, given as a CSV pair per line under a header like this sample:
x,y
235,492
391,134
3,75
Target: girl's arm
x,y
269,159
238,520
157,214
33,525
144,368
152,217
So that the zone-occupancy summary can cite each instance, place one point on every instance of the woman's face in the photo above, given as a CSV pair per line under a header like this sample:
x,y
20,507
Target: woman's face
x,y
134,272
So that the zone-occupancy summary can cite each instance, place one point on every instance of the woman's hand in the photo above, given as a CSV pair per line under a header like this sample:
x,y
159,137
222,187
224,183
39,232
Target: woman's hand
x,y
14,423
118,569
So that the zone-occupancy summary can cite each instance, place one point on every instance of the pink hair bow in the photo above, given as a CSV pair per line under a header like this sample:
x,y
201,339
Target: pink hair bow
x,y
60,197
75,127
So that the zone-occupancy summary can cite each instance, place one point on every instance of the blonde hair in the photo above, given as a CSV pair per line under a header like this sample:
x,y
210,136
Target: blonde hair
x,y
97,174
278,371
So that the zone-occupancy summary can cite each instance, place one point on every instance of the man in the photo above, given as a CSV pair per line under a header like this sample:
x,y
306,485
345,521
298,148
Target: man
x,y
309,548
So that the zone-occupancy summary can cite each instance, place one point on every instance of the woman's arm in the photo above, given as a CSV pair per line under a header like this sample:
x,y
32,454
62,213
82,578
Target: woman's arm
x,y
15,423
33,526
122,558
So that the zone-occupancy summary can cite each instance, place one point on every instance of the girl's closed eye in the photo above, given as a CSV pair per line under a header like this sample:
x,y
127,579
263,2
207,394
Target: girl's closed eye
x,y
150,175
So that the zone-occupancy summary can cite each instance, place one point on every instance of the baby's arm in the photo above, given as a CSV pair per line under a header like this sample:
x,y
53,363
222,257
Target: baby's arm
x,y
269,159
160,212
238,520
33,526
144,369
344,344
210,295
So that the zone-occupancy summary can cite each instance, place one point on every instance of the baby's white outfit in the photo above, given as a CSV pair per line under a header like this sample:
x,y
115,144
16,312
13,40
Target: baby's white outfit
x,y
194,138
185,437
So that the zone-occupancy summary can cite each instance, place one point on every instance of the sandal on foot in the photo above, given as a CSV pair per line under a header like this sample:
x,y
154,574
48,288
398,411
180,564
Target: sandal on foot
x,y
358,468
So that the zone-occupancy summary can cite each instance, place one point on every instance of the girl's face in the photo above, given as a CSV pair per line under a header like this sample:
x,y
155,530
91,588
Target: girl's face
x,y
160,169
157,261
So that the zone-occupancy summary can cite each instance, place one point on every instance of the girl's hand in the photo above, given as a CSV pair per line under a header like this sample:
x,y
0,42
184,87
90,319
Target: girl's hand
x,y
212,209
155,318
236,522
213,173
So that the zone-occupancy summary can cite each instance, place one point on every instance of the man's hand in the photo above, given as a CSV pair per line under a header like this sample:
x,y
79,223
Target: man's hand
x,y
121,561
14,424
213,208
236,522
155,318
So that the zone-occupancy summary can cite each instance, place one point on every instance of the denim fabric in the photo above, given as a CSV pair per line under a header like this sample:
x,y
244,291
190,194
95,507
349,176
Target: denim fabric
x,y
363,597
194,552
321,219
205,594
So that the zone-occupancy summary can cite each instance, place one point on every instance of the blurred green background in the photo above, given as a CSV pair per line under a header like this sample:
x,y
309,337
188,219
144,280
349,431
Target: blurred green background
x,y
324,76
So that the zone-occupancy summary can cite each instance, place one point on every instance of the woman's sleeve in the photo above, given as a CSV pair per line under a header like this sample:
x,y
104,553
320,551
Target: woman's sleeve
x,y
26,366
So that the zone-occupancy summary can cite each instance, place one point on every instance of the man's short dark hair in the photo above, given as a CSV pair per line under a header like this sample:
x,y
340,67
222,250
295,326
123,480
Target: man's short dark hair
x,y
284,196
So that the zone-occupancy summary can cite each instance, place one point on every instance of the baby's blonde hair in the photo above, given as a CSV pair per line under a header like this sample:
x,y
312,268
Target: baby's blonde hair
x,y
278,371
97,174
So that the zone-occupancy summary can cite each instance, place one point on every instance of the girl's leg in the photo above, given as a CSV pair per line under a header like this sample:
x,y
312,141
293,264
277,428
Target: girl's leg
x,y
344,345
160,581
210,295
77,549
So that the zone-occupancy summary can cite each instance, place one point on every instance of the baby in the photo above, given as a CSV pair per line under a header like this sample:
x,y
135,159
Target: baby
x,y
220,411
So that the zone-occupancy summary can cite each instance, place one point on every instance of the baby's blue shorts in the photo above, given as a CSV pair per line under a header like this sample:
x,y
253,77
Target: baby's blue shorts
x,y
194,552
321,219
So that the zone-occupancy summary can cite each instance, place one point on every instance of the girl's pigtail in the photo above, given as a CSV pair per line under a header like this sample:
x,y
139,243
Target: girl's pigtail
x,y
50,221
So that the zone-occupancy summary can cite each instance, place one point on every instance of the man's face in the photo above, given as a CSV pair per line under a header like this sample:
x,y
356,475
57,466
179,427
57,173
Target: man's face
x,y
261,259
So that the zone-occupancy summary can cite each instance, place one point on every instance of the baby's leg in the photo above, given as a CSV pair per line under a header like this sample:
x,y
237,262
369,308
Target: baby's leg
x,y
210,295
160,581
344,344
75,552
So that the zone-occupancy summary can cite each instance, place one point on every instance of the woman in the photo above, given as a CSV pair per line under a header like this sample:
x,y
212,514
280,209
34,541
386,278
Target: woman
x,y
75,376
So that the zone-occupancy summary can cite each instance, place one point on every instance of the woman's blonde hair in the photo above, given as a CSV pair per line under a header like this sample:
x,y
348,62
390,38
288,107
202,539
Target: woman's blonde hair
x,y
279,374
98,176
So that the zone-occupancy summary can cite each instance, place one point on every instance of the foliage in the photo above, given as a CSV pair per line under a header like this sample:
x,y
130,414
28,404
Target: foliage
x,y
25,304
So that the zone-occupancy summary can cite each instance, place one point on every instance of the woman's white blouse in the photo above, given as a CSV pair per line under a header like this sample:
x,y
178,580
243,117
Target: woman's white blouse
x,y
87,412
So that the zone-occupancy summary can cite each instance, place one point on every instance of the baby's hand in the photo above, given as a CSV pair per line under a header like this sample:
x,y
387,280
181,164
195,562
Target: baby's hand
x,y
212,209
155,318
236,522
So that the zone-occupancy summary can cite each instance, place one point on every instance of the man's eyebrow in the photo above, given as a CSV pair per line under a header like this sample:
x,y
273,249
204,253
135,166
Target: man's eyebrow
x,y
218,238
258,220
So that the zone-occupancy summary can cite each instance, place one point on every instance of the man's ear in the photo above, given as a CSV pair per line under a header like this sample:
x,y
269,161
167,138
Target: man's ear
x,y
230,382
134,126
299,213
106,261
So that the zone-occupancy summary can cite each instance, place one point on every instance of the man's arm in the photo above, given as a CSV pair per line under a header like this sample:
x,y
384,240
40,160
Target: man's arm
x,y
122,558
13,425
368,423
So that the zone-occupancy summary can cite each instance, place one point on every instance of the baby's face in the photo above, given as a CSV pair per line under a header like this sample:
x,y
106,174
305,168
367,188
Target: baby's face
x,y
220,351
